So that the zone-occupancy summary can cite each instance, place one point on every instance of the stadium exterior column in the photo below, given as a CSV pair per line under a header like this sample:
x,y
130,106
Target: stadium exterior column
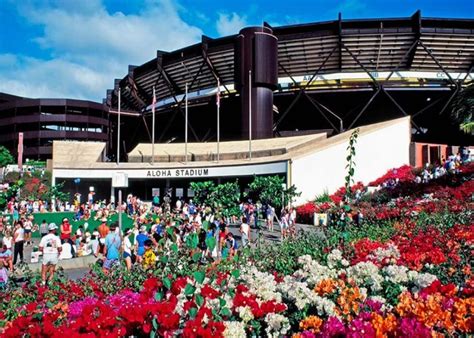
x,y
256,51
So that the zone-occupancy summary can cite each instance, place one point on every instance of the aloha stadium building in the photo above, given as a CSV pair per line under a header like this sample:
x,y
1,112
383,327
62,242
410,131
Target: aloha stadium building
x,y
297,92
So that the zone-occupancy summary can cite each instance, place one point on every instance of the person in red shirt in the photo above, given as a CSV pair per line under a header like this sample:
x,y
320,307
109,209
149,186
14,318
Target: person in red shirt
x,y
66,230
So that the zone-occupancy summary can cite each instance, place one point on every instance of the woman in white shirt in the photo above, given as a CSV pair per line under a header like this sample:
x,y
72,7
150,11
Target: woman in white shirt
x,y
8,240
127,249
18,240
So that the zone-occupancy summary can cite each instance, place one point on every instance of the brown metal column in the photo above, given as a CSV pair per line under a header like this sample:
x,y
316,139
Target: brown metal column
x,y
256,51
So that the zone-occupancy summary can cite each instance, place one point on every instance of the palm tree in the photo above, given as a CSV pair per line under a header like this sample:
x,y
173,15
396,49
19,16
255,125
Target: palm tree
x,y
463,109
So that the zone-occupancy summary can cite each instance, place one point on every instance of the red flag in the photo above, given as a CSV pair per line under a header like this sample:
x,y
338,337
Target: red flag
x,y
218,94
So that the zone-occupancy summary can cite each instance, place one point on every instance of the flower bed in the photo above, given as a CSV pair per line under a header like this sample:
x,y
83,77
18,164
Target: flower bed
x,y
406,271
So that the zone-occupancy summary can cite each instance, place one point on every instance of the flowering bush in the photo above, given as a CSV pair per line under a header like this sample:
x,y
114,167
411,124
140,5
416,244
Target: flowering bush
x,y
405,271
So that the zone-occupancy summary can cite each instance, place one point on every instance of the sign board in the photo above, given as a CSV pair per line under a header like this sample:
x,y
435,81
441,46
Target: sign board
x,y
120,180
190,192
179,192
189,172
155,192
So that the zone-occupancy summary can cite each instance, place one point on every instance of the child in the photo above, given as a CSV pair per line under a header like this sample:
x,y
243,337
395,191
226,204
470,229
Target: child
x,y
149,257
6,257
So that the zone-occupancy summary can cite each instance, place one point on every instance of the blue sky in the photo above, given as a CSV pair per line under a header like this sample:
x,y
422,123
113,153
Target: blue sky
x,y
75,48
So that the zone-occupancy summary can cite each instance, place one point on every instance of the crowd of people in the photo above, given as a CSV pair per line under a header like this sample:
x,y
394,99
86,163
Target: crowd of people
x,y
156,227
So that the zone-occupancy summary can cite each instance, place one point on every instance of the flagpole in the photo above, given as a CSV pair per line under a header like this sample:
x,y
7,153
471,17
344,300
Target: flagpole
x,y
250,115
218,117
186,125
118,128
153,129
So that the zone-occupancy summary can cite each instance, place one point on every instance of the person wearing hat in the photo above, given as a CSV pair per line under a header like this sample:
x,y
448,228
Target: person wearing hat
x,y
50,246
66,230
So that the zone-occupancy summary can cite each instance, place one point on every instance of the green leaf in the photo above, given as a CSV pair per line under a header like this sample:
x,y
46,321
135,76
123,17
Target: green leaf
x,y
199,300
211,243
222,302
169,231
167,283
158,296
164,259
199,276
193,312
236,273
155,323
174,247
189,290
225,312
192,241
197,256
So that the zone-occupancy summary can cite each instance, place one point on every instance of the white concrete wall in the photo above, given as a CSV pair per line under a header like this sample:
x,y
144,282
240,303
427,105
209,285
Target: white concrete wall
x,y
376,152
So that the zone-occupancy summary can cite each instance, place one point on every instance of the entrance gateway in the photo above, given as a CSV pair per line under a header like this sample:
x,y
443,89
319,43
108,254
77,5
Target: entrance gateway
x,y
147,182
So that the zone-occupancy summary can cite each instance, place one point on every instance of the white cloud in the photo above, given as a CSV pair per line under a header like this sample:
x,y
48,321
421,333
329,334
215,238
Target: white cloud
x,y
89,46
229,24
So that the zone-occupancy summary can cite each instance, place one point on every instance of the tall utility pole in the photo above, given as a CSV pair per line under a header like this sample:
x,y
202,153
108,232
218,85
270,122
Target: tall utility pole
x,y
118,128
250,115
153,128
218,117
186,125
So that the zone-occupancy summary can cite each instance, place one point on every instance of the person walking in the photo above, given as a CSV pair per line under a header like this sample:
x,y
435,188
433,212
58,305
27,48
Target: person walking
x,y
18,240
127,249
43,228
113,244
245,232
103,230
50,246
66,231
28,226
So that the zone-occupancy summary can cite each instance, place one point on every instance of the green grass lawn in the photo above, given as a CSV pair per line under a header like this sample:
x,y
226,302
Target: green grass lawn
x,y
57,217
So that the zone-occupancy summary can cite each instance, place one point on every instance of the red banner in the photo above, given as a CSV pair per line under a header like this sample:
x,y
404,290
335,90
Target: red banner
x,y
20,151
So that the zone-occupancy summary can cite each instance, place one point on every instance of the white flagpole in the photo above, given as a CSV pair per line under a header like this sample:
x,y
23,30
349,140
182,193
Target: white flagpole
x,y
118,128
218,117
250,115
186,125
153,129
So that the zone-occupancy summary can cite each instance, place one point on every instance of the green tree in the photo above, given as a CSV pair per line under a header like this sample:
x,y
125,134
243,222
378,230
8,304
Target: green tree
x,y
56,191
202,191
5,157
225,198
271,190
463,109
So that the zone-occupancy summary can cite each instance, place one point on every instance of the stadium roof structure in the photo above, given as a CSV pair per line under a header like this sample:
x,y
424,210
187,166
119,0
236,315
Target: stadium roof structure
x,y
370,54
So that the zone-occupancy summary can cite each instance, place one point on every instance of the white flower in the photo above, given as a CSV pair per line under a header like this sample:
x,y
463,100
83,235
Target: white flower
x,y
396,274
391,252
245,313
366,274
421,280
334,258
234,330
262,284
277,325
301,295
313,272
